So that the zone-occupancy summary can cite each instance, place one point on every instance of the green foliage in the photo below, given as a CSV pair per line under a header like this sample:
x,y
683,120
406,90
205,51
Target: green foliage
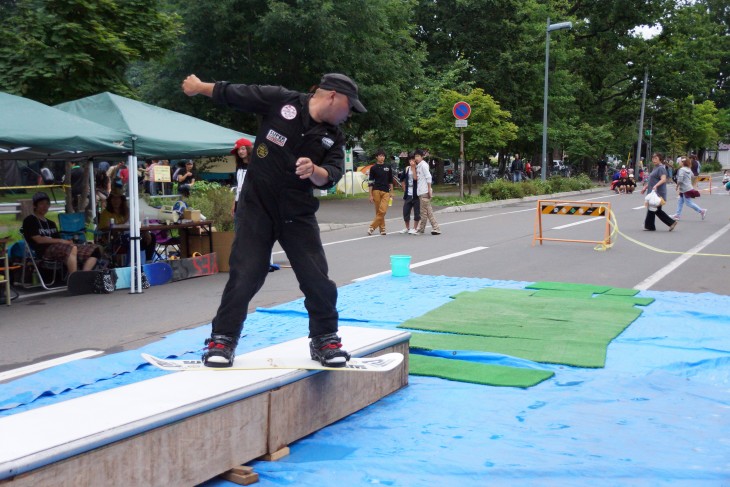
x,y
292,44
59,50
489,127
468,200
501,189
711,166
215,202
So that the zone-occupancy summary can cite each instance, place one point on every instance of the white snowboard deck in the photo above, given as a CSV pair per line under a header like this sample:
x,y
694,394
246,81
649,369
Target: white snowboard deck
x,y
51,433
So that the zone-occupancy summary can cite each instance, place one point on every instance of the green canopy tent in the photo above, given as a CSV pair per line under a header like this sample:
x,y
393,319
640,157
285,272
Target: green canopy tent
x,y
158,133
32,130
154,132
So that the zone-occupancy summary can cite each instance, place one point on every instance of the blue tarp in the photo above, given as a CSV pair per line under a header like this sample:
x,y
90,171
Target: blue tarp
x,y
657,413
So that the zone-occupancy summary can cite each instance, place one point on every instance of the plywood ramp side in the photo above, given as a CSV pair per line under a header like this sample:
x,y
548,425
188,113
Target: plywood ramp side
x,y
186,452
306,406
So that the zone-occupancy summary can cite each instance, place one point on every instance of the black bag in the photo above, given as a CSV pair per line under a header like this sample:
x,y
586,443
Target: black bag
x,y
105,281
145,281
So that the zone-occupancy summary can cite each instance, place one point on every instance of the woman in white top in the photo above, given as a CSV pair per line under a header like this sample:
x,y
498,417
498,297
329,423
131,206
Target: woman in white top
x,y
684,184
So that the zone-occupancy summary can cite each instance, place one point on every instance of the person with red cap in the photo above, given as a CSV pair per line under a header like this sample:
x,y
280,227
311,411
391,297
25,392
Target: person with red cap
x,y
299,146
242,153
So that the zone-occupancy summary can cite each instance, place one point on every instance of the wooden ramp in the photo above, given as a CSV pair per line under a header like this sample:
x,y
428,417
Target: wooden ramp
x,y
186,427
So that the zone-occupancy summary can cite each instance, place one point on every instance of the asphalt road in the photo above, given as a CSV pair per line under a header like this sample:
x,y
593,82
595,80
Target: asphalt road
x,y
491,241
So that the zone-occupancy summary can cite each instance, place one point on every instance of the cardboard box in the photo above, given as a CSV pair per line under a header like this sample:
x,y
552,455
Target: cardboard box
x,y
222,243
193,215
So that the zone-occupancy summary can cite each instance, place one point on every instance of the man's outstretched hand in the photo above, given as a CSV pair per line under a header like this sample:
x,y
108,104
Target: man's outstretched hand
x,y
192,86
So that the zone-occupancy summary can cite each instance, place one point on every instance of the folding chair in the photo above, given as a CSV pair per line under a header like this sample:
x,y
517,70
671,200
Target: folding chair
x,y
72,226
163,242
38,264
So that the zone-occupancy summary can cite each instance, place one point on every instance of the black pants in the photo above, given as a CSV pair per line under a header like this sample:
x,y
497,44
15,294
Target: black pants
x,y
411,203
258,226
649,221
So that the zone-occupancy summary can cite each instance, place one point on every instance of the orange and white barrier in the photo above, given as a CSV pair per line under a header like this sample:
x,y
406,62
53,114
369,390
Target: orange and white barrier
x,y
572,208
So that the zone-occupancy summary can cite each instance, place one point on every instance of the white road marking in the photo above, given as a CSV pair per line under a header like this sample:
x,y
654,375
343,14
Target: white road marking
x,y
667,269
11,374
589,220
425,262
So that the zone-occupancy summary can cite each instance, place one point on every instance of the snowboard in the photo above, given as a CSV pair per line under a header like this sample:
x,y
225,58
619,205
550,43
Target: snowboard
x,y
199,265
123,277
81,282
84,282
158,273
383,363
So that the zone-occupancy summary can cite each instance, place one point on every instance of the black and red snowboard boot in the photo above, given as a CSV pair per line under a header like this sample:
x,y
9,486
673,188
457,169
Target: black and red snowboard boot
x,y
220,350
327,350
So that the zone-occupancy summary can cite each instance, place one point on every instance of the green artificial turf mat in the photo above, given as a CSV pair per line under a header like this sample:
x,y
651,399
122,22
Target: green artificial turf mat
x,y
568,286
583,353
633,300
475,372
557,328
621,291
626,299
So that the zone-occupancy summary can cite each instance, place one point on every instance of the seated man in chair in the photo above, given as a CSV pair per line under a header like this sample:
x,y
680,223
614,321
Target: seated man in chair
x,y
43,237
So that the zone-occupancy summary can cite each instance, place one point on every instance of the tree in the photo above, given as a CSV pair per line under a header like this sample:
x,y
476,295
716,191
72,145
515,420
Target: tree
x,y
58,50
292,43
489,129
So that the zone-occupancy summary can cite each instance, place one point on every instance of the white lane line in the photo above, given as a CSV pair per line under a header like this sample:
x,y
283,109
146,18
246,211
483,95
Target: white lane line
x,y
11,374
642,207
589,220
425,262
664,271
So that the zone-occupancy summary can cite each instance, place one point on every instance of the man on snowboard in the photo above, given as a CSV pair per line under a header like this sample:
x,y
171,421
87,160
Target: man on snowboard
x,y
299,146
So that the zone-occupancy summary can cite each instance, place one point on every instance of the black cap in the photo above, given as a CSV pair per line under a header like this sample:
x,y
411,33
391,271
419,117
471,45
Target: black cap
x,y
343,84
40,196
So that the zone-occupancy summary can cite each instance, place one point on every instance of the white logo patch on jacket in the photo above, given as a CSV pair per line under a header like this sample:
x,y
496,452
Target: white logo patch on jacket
x,y
288,112
327,142
276,138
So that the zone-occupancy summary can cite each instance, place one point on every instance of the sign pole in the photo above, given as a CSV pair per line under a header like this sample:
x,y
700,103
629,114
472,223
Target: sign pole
x,y
461,163
461,112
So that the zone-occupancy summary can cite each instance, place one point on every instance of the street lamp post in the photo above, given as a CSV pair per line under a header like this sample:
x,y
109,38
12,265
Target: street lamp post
x,y
550,28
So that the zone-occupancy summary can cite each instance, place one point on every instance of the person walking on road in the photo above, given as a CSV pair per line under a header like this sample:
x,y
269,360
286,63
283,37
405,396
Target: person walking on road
x,y
425,193
410,199
684,185
380,184
657,182
299,146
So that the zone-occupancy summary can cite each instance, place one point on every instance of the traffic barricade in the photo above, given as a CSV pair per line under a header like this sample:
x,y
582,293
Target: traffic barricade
x,y
573,208
705,178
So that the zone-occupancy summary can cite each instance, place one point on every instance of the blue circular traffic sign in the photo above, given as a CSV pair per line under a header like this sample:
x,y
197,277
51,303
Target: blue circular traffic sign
x,y
462,110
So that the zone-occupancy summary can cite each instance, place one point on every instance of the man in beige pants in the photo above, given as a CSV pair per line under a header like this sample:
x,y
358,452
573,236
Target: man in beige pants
x,y
423,177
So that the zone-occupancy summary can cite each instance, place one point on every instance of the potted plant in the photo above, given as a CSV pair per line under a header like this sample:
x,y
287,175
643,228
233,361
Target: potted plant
x,y
214,202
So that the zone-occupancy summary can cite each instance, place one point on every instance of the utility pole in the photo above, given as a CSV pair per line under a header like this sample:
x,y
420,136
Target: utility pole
x,y
637,156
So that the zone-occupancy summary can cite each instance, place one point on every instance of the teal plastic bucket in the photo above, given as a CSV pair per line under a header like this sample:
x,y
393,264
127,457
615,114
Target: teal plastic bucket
x,y
400,265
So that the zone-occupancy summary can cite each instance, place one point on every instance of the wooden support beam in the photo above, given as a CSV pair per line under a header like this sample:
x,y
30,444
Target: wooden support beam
x,y
243,475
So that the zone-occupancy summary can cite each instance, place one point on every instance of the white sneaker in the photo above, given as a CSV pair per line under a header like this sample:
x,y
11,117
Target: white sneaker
x,y
370,231
703,213
405,230
412,231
